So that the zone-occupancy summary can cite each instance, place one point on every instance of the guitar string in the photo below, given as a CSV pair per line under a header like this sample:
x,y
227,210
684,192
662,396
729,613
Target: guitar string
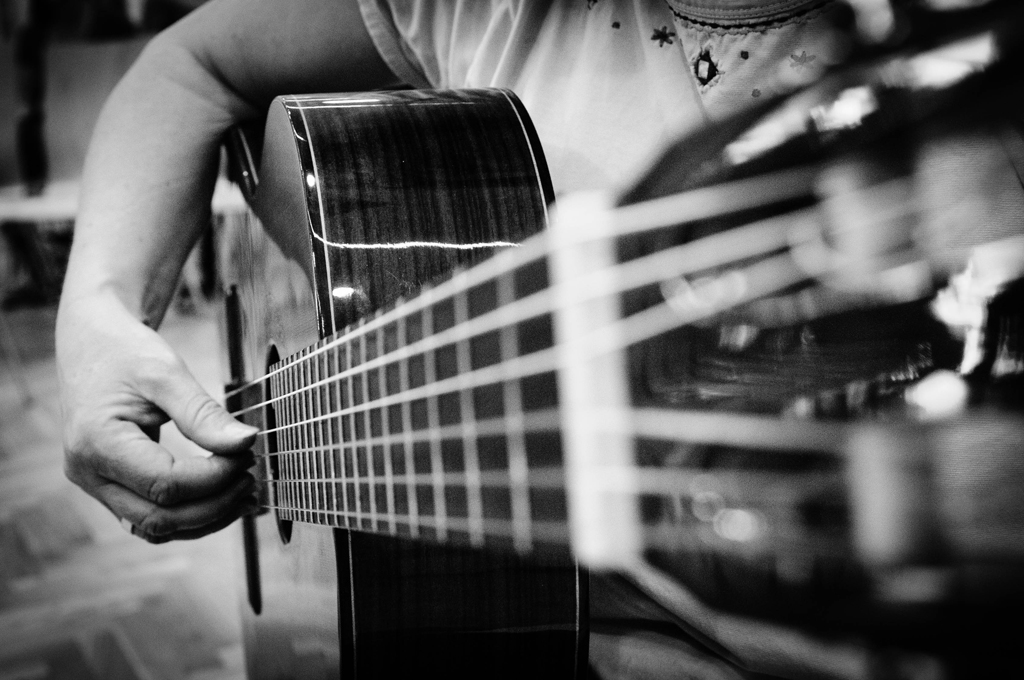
x,y
372,515
501,264
771,275
534,422
684,207
434,443
632,481
761,279
367,402
770,234
743,243
692,205
552,528
476,519
785,533
631,330
794,543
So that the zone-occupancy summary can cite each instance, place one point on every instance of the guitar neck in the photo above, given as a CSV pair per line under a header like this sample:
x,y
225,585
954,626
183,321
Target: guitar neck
x,y
437,419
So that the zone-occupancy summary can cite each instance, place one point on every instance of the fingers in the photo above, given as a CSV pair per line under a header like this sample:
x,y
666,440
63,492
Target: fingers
x,y
162,497
196,414
157,523
120,381
192,534
129,458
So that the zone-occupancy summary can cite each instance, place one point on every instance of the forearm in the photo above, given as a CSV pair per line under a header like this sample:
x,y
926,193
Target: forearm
x,y
152,162
148,177
146,194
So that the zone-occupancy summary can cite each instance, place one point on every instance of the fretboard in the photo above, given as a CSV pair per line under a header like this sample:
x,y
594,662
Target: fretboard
x,y
437,419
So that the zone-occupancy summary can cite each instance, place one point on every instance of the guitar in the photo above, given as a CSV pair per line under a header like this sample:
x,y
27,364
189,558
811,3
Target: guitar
x,y
470,178
722,387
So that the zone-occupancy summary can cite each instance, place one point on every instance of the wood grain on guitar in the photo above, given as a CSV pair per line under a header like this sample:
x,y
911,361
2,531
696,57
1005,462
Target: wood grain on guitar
x,y
744,387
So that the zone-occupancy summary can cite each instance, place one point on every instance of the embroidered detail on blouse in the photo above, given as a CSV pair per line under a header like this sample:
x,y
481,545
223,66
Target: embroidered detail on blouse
x,y
802,60
663,36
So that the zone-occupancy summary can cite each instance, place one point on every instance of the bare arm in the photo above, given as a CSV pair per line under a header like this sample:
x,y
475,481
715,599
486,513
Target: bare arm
x,y
146,193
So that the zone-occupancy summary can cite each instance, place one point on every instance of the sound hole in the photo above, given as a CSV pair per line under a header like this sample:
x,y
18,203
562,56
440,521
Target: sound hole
x,y
284,526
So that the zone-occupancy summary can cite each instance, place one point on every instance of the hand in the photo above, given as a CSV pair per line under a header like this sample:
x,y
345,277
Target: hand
x,y
120,382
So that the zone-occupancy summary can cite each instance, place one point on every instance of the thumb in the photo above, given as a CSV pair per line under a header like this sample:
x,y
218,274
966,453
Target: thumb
x,y
200,418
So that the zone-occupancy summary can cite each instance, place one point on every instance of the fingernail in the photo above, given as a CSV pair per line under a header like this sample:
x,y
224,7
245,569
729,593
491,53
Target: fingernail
x,y
240,430
127,526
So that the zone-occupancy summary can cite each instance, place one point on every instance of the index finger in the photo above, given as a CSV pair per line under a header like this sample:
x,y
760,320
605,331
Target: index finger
x,y
133,460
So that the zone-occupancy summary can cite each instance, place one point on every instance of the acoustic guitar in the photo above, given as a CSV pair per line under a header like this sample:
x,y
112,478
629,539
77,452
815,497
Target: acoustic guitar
x,y
729,386
362,209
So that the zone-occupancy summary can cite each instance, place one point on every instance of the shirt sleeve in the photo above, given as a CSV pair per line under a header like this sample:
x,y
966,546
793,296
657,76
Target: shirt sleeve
x,y
452,43
397,54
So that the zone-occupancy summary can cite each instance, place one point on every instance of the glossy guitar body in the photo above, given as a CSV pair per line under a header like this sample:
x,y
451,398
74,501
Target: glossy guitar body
x,y
402,171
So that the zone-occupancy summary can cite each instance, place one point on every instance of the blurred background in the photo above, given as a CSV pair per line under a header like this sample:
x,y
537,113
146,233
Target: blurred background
x,y
79,597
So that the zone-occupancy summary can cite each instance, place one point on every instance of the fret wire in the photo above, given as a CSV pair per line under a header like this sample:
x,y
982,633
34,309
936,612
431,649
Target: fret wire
x,y
282,438
407,435
531,364
547,420
286,467
515,428
276,387
371,470
281,415
299,445
286,440
325,434
471,461
353,362
332,429
263,462
385,425
311,437
310,454
293,461
433,422
341,361
356,357
316,455
368,451
304,436
320,429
